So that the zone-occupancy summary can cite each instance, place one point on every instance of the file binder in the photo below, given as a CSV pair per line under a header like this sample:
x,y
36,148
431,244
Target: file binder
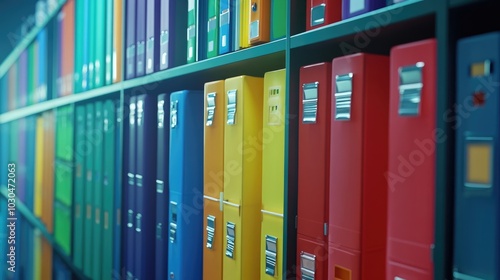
x,y
22,67
108,58
313,177
68,52
96,138
173,20
85,50
278,19
42,66
213,177
130,39
92,42
185,251
88,247
118,40
140,38
61,271
79,45
273,176
259,27
162,187
100,43
192,13
212,28
79,191
476,244
242,199
4,99
243,23
12,85
351,8
32,78
152,36
412,117
120,142
358,159
62,226
108,185
145,186
323,12
226,25
129,180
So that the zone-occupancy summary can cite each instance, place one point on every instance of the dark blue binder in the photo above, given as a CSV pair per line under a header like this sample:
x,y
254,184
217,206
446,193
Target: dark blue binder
x,y
185,228
477,189
145,186
130,39
161,259
152,36
61,270
140,38
129,192
118,220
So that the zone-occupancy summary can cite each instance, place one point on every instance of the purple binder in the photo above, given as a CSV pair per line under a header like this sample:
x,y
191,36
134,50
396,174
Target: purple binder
x,y
22,68
152,36
141,38
351,8
130,39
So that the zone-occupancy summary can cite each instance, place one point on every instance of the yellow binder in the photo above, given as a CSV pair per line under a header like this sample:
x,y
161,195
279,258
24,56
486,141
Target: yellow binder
x,y
244,23
243,176
273,175
215,102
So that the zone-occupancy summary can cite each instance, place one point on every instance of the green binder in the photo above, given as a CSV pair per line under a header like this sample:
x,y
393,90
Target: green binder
x,y
98,140
62,226
109,42
191,32
32,81
64,133
92,41
88,151
100,43
108,189
79,194
213,28
278,19
79,8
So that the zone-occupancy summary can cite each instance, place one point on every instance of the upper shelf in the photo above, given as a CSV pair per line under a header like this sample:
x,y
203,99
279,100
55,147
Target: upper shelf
x,y
26,41
366,23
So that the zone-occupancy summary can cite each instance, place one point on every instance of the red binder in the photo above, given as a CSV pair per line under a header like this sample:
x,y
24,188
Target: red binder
x,y
322,12
411,173
358,160
313,169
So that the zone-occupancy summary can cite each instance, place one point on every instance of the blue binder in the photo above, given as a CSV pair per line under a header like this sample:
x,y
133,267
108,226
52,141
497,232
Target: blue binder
x,y
129,162
477,189
130,39
145,179
42,66
117,228
225,26
186,185
161,259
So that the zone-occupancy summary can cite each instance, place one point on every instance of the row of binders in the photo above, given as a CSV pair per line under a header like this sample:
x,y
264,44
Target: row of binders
x,y
202,192
88,39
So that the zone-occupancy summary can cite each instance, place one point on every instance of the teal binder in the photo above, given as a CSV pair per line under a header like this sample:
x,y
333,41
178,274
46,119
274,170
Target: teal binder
x,y
213,28
88,153
97,140
191,31
79,194
100,42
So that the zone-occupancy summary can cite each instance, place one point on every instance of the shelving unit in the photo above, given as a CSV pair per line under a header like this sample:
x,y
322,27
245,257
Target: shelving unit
x,y
374,32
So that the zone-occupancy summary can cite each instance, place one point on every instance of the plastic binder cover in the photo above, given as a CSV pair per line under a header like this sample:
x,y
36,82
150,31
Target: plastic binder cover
x,y
185,250
242,200
412,117
214,122
273,175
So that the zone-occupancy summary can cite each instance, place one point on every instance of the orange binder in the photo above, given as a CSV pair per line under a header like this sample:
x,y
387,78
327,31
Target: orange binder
x,y
259,21
117,41
215,101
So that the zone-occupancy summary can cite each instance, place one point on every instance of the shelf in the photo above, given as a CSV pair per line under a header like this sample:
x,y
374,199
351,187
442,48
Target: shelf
x,y
21,46
365,23
38,225
251,61
58,102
